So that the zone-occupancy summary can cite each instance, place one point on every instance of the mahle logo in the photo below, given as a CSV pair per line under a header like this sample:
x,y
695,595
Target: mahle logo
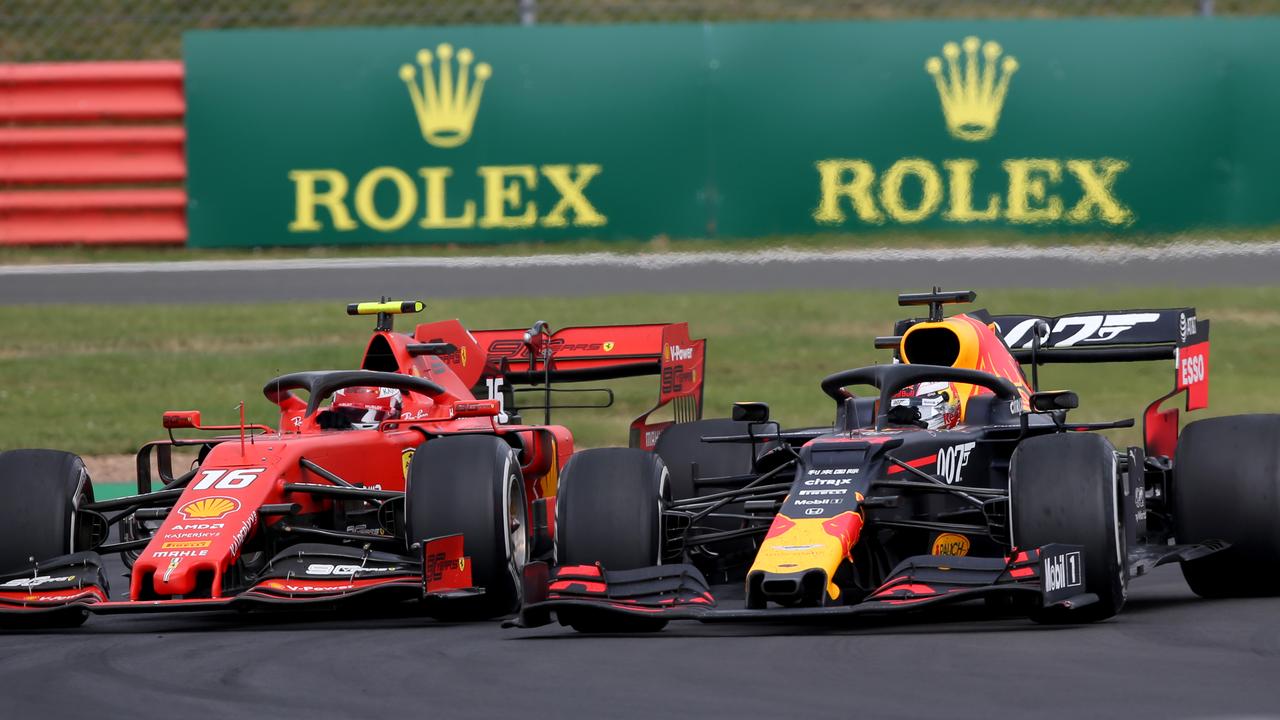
x,y
972,97
446,109
972,81
445,91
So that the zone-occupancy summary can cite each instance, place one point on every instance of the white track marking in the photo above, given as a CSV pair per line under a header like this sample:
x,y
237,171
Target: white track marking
x,y
1093,254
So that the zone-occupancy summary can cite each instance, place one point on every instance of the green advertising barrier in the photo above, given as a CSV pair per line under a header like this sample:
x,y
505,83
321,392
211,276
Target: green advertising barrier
x,y
476,134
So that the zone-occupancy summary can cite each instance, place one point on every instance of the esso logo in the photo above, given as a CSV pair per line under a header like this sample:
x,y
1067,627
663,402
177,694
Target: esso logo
x,y
1191,370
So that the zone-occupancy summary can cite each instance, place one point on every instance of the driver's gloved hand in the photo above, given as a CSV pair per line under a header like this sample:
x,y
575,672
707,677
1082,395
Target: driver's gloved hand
x,y
328,420
905,415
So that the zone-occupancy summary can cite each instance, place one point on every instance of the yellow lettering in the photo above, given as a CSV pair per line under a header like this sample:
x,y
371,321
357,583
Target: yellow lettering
x,y
1025,187
930,190
1097,181
571,196
406,198
961,209
307,199
435,213
834,186
502,189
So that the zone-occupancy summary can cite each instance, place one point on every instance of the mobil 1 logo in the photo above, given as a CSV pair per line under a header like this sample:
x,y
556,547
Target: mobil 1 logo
x,y
1062,571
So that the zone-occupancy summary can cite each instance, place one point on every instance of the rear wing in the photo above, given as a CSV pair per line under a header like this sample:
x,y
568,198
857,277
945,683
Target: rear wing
x,y
488,359
1123,336
1096,337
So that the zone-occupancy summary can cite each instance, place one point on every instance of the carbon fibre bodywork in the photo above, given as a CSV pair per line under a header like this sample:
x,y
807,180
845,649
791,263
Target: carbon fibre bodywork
x,y
881,512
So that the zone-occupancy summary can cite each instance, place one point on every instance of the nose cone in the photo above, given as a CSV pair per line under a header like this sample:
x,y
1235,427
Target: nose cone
x,y
801,554
188,555
178,577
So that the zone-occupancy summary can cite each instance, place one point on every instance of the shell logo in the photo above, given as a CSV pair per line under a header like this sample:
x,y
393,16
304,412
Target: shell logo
x,y
210,508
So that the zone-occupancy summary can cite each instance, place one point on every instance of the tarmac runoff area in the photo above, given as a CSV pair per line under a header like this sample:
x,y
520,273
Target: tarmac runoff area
x,y
1167,655
1189,264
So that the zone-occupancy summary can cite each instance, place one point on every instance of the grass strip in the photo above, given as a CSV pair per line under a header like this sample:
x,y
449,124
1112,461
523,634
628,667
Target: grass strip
x,y
95,379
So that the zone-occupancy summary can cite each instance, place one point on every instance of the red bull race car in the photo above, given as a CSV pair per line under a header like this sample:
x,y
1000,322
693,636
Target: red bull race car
x,y
955,478
412,478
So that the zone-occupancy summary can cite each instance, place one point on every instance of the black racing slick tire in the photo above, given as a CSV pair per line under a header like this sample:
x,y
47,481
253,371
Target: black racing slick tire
x,y
1064,488
609,511
680,447
1226,486
471,485
40,491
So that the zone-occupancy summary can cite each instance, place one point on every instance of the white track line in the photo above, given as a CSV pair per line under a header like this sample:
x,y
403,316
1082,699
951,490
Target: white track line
x,y
1097,254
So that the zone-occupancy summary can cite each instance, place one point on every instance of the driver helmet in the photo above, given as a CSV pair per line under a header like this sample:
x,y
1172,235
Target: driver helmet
x,y
937,402
365,407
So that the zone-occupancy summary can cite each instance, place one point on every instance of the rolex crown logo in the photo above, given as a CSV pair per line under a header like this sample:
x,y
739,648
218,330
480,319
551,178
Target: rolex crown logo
x,y
972,96
446,105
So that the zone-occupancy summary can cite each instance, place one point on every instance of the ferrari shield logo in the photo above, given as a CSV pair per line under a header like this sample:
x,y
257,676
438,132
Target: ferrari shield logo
x,y
406,457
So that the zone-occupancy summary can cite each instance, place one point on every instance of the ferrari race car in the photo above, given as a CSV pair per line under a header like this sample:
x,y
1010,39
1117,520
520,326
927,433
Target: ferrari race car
x,y
413,478
957,478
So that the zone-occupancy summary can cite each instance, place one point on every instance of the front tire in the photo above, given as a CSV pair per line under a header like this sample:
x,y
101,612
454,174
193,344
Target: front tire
x,y
1226,486
471,485
1064,488
609,511
40,492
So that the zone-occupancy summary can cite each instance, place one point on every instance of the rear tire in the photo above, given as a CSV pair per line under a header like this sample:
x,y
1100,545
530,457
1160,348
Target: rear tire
x,y
1064,489
1226,486
40,491
608,511
471,485
681,445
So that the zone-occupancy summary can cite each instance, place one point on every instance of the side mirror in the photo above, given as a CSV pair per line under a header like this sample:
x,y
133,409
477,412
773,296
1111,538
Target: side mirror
x,y
175,419
1051,400
756,412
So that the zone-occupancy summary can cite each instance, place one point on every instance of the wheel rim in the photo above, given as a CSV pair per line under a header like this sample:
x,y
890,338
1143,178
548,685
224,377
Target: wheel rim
x,y
517,540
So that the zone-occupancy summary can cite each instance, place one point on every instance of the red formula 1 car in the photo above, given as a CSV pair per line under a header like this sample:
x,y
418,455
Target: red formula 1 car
x,y
411,478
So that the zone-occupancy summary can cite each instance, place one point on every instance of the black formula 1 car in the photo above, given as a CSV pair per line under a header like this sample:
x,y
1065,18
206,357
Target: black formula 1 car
x,y
956,479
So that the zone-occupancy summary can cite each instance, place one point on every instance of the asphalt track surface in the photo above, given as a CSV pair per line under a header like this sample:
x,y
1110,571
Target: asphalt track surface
x,y
1183,265
1168,655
